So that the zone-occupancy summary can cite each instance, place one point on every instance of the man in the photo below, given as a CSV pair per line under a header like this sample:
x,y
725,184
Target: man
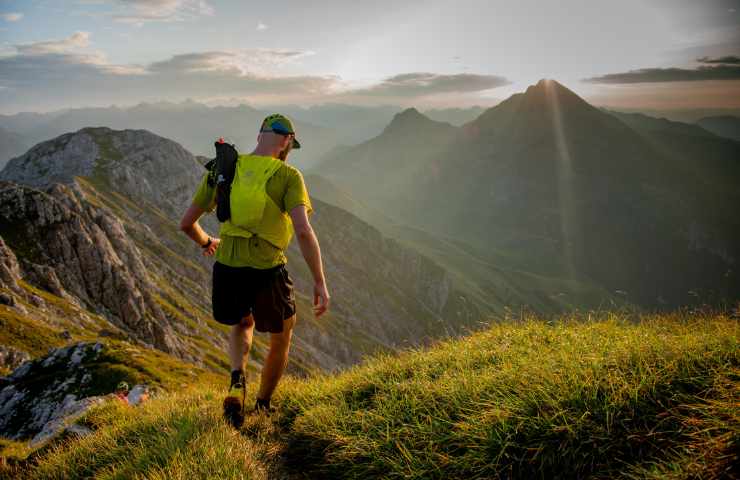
x,y
251,285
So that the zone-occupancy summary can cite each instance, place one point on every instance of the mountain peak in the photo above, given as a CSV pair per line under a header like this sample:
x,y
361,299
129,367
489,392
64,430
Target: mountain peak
x,y
411,120
143,165
546,95
547,90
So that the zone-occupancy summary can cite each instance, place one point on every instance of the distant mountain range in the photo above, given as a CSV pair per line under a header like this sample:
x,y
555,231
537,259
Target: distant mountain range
x,y
196,126
692,115
547,184
193,125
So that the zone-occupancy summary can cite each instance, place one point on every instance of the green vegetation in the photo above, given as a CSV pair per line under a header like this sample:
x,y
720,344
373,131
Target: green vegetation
x,y
121,361
26,334
605,397
162,439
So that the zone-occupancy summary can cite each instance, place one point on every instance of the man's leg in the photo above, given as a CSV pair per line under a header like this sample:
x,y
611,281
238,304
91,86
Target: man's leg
x,y
276,361
240,341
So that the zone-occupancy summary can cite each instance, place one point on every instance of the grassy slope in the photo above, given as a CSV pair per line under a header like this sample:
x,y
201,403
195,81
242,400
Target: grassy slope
x,y
603,397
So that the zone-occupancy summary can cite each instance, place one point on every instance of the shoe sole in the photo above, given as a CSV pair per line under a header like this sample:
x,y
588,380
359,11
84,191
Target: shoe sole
x,y
234,411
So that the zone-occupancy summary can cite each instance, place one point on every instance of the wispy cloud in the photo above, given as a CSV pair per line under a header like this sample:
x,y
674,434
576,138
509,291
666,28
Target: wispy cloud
x,y
12,16
727,60
261,27
75,41
424,83
661,75
50,71
260,61
68,72
138,12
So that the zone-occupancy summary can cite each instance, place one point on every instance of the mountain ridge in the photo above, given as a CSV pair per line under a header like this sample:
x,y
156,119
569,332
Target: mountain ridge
x,y
559,185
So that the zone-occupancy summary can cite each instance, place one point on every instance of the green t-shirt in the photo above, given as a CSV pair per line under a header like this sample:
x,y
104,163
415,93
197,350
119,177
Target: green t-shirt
x,y
287,189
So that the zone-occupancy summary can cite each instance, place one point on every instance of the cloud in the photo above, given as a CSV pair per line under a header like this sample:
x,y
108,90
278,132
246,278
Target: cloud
x,y
236,62
11,16
138,12
261,27
661,75
65,73
727,60
419,84
54,74
75,41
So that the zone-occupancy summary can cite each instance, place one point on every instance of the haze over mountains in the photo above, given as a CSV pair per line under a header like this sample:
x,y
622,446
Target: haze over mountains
x,y
195,126
636,205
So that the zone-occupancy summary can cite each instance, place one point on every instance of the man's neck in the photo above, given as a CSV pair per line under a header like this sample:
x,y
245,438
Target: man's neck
x,y
266,152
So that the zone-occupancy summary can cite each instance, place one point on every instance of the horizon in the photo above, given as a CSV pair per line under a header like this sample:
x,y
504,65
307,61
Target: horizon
x,y
242,103
640,54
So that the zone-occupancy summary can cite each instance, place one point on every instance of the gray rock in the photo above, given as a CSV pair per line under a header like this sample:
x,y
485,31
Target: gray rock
x,y
78,253
10,271
44,395
62,419
138,163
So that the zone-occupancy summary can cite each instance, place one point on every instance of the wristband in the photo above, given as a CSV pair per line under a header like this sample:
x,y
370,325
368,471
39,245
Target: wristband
x,y
208,243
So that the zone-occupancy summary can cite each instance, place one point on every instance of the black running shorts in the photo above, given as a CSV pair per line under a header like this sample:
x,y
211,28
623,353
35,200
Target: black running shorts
x,y
267,294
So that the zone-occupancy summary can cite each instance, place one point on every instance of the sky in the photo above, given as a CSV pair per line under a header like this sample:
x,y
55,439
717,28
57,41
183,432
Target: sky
x,y
652,54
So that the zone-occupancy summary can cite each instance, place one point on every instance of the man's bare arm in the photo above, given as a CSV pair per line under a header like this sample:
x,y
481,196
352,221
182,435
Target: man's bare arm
x,y
312,254
189,224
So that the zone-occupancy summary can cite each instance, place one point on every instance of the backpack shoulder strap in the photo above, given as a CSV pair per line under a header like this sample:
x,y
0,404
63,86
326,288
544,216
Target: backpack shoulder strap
x,y
210,166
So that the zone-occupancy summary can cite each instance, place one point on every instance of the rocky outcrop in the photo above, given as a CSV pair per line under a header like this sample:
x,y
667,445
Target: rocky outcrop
x,y
55,161
144,180
82,252
44,397
63,417
137,163
48,389
10,271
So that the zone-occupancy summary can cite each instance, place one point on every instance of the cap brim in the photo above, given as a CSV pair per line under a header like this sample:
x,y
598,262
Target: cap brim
x,y
296,143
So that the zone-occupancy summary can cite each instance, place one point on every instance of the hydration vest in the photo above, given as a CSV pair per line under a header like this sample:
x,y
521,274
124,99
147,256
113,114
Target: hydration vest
x,y
251,210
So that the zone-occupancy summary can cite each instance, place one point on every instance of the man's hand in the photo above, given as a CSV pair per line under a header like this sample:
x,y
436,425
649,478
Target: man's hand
x,y
320,299
211,249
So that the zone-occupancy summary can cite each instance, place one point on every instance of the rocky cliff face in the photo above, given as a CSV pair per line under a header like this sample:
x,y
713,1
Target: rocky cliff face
x,y
10,271
80,252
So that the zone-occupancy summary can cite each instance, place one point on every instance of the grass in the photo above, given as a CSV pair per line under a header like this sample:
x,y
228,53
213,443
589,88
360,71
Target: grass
x,y
26,334
175,437
600,398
